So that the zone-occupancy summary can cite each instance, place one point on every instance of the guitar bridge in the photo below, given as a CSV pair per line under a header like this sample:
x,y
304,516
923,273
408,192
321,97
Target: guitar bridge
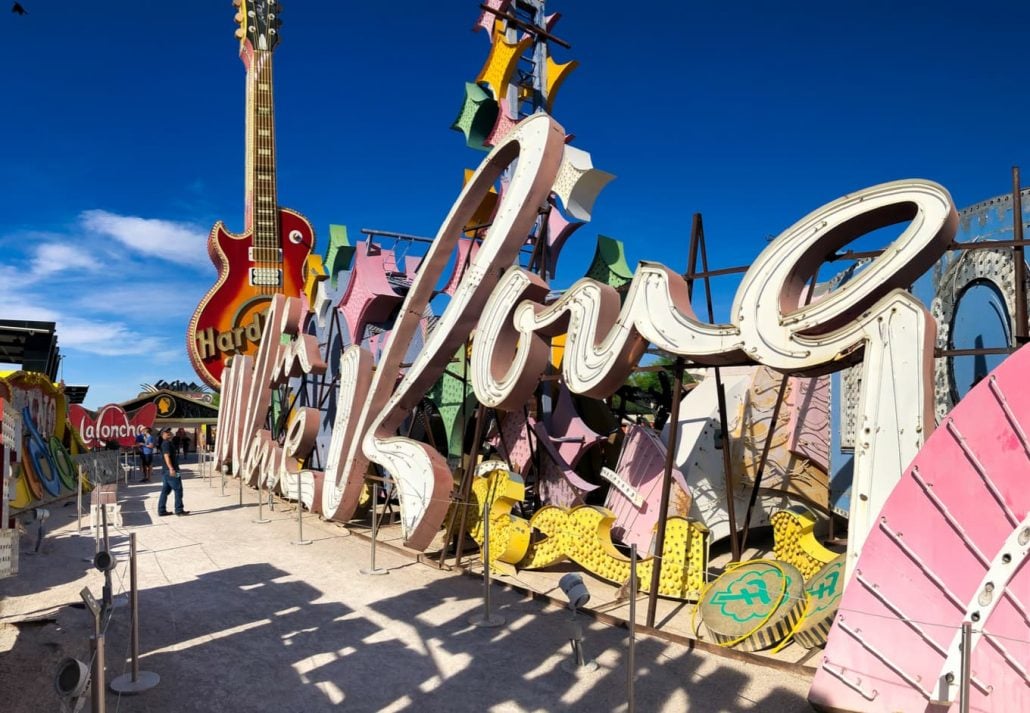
x,y
266,277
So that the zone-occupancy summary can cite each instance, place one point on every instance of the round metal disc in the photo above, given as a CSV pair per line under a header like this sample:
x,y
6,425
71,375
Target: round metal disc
x,y
824,590
144,682
755,605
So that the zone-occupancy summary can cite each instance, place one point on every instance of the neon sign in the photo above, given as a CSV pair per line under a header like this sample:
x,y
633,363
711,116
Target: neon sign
x,y
872,318
111,424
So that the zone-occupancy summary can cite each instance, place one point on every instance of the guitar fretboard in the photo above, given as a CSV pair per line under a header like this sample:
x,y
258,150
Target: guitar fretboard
x,y
262,208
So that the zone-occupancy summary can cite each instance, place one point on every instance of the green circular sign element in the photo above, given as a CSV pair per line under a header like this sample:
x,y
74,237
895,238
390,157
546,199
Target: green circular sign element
x,y
824,591
66,470
755,605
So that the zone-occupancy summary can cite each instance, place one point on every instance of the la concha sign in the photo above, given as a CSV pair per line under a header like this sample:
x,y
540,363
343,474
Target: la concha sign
x,y
872,318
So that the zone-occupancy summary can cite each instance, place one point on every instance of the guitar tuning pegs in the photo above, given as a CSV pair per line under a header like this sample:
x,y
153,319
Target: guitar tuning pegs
x,y
238,17
237,3
239,33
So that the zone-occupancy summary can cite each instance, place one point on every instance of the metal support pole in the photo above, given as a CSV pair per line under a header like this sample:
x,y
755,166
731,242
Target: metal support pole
x,y
727,465
695,236
1021,332
579,663
465,488
730,505
103,521
241,490
967,661
762,461
78,500
261,519
631,654
300,519
486,619
372,570
663,509
137,681
577,645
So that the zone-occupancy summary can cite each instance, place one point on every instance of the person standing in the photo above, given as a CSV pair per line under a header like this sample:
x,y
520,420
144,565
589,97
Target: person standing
x,y
147,446
172,477
182,440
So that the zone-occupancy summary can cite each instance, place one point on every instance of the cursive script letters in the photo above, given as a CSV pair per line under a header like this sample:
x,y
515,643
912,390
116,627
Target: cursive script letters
x,y
870,315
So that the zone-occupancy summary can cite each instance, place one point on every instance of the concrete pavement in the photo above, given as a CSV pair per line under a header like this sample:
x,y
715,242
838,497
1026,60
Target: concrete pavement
x,y
235,617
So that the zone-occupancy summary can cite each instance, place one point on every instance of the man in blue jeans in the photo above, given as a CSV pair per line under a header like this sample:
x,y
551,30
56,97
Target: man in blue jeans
x,y
172,480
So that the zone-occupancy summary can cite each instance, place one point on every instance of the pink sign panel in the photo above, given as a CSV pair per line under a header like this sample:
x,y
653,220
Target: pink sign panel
x,y
949,546
111,424
636,493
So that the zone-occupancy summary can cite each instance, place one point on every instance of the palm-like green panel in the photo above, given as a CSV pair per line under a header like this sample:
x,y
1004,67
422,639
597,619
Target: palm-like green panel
x,y
340,252
609,265
477,116
448,395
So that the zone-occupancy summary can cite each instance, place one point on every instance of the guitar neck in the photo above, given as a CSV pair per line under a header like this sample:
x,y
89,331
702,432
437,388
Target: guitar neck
x,y
261,212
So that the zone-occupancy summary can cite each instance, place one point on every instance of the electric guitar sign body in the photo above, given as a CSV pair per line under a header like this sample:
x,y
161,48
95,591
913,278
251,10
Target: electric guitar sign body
x,y
269,257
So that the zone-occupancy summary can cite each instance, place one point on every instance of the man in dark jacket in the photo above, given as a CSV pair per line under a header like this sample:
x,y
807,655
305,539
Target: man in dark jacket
x,y
172,480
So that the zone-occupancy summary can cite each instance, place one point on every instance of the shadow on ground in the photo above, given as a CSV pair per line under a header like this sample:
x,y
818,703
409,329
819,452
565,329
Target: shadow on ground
x,y
254,638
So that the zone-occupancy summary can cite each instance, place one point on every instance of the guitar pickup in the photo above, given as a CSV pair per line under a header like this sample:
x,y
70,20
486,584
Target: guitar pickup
x,y
266,277
265,254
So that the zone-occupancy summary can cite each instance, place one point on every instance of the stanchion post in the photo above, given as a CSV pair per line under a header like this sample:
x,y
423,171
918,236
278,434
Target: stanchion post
x,y
78,500
134,605
108,597
137,681
261,519
98,693
222,471
372,570
241,489
967,662
486,619
631,654
300,519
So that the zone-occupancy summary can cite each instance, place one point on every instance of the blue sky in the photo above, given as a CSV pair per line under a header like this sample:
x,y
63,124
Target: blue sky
x,y
123,136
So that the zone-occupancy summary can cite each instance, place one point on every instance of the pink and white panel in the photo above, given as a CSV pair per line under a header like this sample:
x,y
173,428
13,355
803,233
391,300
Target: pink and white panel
x,y
950,545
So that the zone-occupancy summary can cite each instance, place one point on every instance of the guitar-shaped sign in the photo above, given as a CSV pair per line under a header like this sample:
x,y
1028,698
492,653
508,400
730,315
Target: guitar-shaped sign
x,y
270,256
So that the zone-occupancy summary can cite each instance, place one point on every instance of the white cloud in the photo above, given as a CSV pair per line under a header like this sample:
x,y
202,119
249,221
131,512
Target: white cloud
x,y
106,338
18,305
13,279
54,257
120,290
142,299
181,243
